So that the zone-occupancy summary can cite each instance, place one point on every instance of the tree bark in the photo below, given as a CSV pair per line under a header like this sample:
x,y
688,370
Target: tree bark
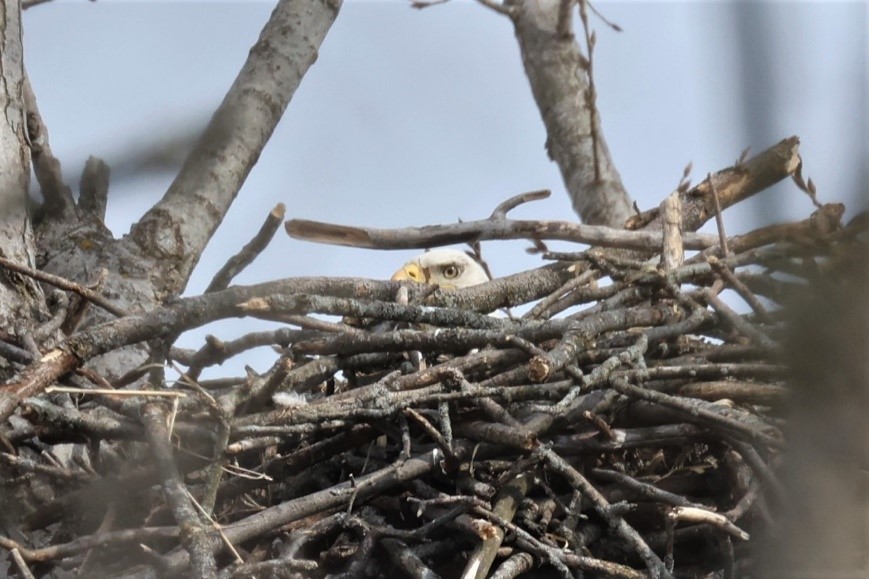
x,y
21,299
562,86
153,263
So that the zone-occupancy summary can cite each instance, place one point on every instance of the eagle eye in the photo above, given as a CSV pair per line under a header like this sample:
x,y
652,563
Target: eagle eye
x,y
450,271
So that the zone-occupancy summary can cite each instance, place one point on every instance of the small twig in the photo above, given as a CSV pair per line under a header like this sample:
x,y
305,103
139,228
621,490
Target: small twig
x,y
236,264
738,323
719,218
432,433
420,4
501,210
645,490
127,393
731,280
64,284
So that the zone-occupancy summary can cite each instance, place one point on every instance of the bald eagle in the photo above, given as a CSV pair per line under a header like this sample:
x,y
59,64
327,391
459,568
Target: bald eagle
x,y
446,268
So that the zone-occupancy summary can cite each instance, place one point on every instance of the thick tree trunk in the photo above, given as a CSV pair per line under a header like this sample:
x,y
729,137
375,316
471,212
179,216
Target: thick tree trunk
x,y
21,300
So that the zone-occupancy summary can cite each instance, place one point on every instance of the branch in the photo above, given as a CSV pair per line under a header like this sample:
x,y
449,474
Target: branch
x,y
177,228
65,284
561,82
248,253
732,185
94,188
482,230
46,167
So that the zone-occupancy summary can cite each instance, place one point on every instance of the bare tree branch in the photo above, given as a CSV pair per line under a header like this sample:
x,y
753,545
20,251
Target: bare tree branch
x,y
733,184
560,78
179,226
482,230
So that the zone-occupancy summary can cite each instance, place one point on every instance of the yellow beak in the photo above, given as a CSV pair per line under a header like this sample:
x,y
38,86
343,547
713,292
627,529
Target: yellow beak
x,y
410,272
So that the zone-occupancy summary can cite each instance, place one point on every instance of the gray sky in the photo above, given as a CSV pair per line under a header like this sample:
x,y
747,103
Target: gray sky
x,y
420,117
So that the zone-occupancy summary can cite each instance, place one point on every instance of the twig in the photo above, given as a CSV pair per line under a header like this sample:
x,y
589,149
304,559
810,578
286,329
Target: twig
x,y
236,264
64,284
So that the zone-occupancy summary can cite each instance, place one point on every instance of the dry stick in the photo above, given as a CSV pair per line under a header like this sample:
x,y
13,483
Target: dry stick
x,y
738,323
272,568
481,230
236,264
673,252
629,438
195,537
616,523
740,288
695,410
337,496
214,472
541,309
646,490
88,542
506,504
740,392
216,351
808,232
183,314
513,566
760,468
733,184
59,474
719,219
512,203
433,433
705,516
406,560
272,305
46,330
22,565
64,284
544,550
25,4
574,339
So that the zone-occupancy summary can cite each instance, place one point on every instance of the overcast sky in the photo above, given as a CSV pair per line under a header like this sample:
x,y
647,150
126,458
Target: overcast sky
x,y
420,117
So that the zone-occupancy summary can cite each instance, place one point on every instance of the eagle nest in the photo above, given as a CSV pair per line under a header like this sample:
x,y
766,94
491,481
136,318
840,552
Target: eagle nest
x,y
630,423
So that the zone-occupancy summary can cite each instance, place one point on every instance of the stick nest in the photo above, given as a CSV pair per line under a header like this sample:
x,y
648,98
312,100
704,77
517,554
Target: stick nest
x,y
627,424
